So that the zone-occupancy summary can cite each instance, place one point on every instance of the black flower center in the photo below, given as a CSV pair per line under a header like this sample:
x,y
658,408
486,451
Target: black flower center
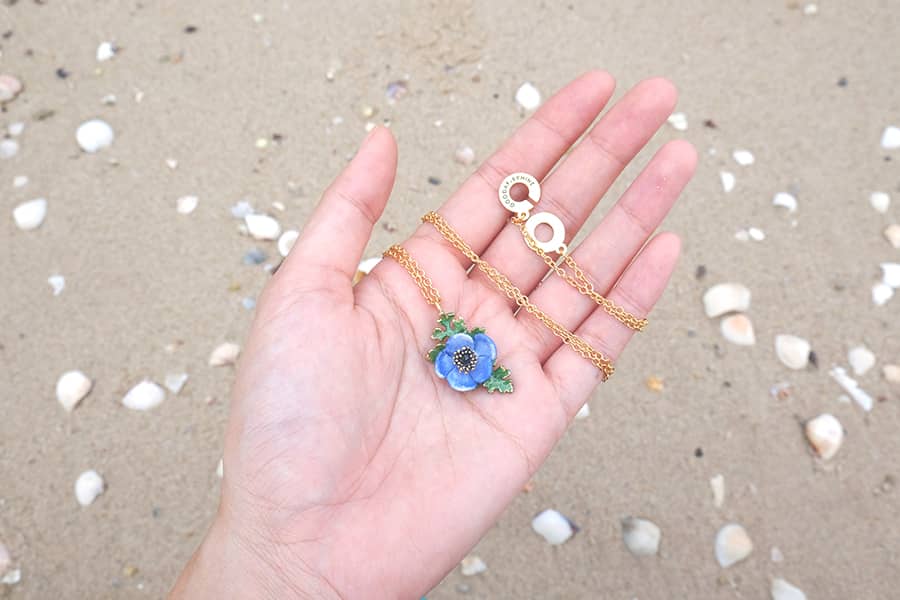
x,y
465,359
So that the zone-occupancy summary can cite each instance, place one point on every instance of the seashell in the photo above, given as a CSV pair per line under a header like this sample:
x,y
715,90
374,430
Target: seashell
x,y
641,536
186,204
881,293
109,100
880,201
220,468
262,227
464,155
224,354
792,351
10,87
472,565
725,298
678,121
553,526
279,206
744,158
12,577
528,96
88,486
584,412
8,148
756,234
890,274
861,359
172,163
738,329
16,129
890,139
71,388
852,388
732,545
5,559
728,180
742,235
146,395
20,181
825,434
717,484
58,283
782,590
810,9
174,382
365,267
786,200
287,241
892,235
105,51
94,135
891,373
29,215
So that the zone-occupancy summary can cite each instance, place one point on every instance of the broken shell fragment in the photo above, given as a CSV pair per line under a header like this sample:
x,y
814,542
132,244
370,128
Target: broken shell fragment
x,y
185,205
287,241
861,359
10,87
785,200
174,382
105,51
472,565
8,148
728,180
732,545
742,157
852,388
725,298
880,201
782,590
891,373
717,484
892,235
553,526
890,139
464,155
641,536
881,293
146,395
792,351
364,268
584,412
262,227
71,388
738,329
88,486
825,434
678,121
57,283
890,274
29,215
94,135
224,354
528,96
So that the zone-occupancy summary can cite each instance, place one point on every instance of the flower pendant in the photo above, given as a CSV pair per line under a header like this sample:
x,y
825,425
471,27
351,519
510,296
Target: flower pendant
x,y
466,358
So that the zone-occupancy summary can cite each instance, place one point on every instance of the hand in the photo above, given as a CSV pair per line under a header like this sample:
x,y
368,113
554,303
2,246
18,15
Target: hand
x,y
351,470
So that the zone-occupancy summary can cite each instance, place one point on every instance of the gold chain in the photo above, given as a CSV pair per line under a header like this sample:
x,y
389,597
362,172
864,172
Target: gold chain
x,y
429,292
580,281
512,292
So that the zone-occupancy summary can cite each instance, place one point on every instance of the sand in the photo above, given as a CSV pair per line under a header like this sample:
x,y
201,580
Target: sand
x,y
150,292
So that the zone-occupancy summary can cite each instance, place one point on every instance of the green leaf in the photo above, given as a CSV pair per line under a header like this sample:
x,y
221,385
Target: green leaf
x,y
499,382
477,330
449,326
433,353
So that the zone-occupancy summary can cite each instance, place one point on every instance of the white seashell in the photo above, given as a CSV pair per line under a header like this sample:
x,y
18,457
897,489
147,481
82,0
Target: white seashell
x,y
528,96
172,163
8,148
792,351
287,241
890,139
186,204
641,536
174,382
852,387
279,206
861,359
728,180
717,484
880,201
10,87
584,412
786,200
224,354
29,215
738,329
891,373
365,267
825,434
58,283
810,9
71,388
464,155
144,396
881,293
744,158
725,298
732,545
472,565
776,555
105,51
220,468
5,559
678,121
782,590
890,274
20,181
109,100
94,135
262,227
16,129
12,577
756,234
892,235
88,486
555,528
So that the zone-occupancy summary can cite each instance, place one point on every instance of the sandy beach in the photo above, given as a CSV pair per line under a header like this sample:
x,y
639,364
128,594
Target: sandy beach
x,y
264,101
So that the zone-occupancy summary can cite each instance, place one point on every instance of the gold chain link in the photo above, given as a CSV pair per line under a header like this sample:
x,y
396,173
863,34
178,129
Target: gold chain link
x,y
580,281
512,292
429,292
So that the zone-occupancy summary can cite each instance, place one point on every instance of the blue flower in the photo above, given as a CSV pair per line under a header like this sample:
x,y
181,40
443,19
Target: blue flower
x,y
466,361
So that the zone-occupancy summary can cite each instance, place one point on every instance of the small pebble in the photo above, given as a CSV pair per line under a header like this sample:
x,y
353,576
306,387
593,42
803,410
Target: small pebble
x,y
464,155
728,180
744,158
786,200
88,486
641,536
94,135
174,382
241,209
553,526
890,139
472,565
880,201
62,73
654,384
396,90
434,181
10,87
71,388
29,215
732,545
224,354
254,256
678,121
8,148
528,96
248,303
825,434
861,359
106,51
782,590
146,395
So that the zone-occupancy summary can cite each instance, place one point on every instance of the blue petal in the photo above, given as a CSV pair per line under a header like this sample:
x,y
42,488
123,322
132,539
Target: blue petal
x,y
457,341
482,370
443,364
461,382
485,347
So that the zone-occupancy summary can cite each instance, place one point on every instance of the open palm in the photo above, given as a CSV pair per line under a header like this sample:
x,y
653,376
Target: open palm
x,y
351,469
